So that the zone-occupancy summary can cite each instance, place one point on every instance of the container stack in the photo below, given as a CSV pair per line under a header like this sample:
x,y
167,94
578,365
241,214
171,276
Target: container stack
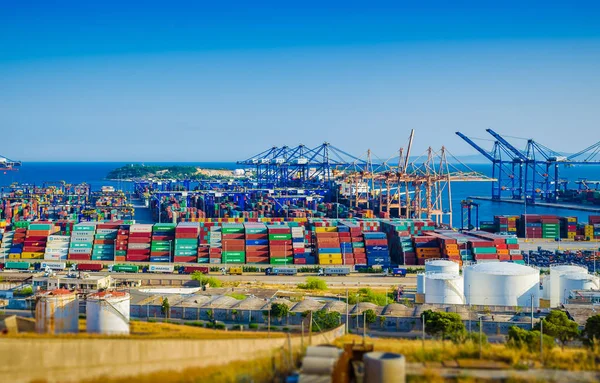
x,y
483,250
186,243
505,224
280,245
426,247
530,226
57,248
161,247
6,244
122,243
257,243
346,244
376,246
298,245
594,221
16,248
104,242
233,243
550,227
568,228
139,243
215,244
82,241
357,243
329,251
36,239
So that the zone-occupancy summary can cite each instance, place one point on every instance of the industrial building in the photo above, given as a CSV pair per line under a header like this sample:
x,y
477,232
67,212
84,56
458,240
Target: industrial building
x,y
86,284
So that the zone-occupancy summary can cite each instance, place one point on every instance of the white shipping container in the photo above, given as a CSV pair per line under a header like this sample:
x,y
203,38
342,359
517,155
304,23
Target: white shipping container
x,y
54,265
80,250
138,246
140,228
57,251
53,257
83,239
515,252
161,268
106,231
58,238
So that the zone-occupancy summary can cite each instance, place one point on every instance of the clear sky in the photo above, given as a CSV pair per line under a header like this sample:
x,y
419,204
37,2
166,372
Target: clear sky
x,y
98,80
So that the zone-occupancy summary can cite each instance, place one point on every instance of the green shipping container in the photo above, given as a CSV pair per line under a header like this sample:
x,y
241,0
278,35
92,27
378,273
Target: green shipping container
x,y
185,253
186,241
121,253
279,237
125,268
186,247
484,250
160,248
40,226
282,261
164,227
17,265
233,254
106,236
161,243
84,245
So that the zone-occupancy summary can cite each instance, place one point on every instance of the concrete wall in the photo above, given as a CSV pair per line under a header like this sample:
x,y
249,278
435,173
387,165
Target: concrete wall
x,y
72,360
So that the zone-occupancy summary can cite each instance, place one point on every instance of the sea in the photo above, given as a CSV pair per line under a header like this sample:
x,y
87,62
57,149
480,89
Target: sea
x,y
94,173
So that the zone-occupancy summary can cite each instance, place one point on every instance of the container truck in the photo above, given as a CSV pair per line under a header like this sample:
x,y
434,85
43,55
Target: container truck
x,y
334,271
281,271
11,265
89,267
235,270
193,269
123,269
53,265
167,269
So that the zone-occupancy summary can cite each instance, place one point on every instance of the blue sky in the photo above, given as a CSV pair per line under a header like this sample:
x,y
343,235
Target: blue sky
x,y
196,82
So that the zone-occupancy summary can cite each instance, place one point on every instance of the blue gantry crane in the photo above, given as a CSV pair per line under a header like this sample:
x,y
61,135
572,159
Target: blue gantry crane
x,y
532,173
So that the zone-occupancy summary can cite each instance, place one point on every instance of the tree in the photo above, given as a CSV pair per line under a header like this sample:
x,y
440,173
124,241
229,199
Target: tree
x,y
519,338
313,283
205,280
370,316
592,329
559,326
324,320
444,325
279,310
165,307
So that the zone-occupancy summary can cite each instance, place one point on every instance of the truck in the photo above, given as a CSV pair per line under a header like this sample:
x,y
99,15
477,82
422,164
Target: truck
x,y
161,269
193,269
395,272
53,265
12,265
334,271
281,271
123,269
89,267
235,270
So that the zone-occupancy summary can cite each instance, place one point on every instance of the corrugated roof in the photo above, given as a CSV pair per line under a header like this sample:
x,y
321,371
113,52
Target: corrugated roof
x,y
307,304
362,306
337,306
108,294
221,302
251,303
396,309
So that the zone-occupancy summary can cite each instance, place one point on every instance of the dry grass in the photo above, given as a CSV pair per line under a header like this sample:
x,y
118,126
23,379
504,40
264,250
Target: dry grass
x,y
572,359
149,330
264,369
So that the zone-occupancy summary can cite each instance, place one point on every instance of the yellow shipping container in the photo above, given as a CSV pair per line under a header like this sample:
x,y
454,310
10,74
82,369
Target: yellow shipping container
x,y
330,262
31,255
14,256
330,256
329,229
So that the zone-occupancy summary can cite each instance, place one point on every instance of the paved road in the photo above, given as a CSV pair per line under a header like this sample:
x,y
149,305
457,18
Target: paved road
x,y
353,280
563,245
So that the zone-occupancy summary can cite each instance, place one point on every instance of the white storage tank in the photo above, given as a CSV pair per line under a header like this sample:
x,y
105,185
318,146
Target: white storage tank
x,y
501,284
576,281
57,312
445,266
556,289
421,283
107,312
444,288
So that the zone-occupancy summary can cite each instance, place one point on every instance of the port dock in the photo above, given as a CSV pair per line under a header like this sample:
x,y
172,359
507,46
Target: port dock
x,y
567,206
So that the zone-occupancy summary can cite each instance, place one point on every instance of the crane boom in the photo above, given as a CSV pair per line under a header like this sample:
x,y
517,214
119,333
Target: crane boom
x,y
477,147
507,144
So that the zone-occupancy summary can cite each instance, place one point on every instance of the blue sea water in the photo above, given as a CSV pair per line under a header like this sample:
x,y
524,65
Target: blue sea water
x,y
94,173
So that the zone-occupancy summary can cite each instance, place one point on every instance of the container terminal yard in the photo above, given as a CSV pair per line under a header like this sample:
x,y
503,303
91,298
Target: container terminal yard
x,y
228,253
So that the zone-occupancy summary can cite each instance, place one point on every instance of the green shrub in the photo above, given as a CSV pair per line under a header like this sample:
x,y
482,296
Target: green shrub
x,y
519,338
253,326
206,280
368,295
151,320
313,283
194,323
220,326
286,329
238,296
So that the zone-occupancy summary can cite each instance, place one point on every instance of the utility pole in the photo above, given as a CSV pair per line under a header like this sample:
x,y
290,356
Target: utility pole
x,y
480,335
542,341
532,312
347,314
310,329
364,326
423,331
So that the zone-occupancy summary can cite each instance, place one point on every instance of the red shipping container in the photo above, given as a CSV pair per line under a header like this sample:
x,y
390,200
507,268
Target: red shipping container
x,y
257,259
186,235
185,259
80,257
299,261
233,236
256,236
344,234
186,230
280,254
163,237
280,248
233,242
139,240
280,242
137,258
138,252
159,253
279,230
227,247
135,234
257,248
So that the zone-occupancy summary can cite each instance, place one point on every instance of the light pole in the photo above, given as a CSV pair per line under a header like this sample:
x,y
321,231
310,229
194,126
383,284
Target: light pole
x,y
480,334
470,308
